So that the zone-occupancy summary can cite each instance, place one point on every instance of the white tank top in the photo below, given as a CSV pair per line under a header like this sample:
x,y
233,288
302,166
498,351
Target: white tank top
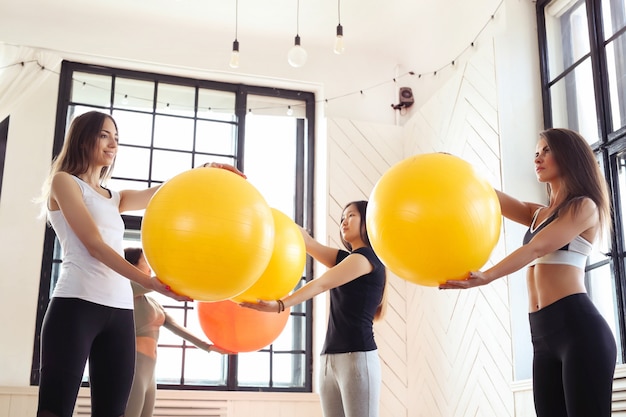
x,y
81,275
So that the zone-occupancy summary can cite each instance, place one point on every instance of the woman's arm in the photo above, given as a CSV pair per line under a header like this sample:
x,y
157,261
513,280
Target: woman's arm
x,y
66,193
352,267
326,255
553,237
516,210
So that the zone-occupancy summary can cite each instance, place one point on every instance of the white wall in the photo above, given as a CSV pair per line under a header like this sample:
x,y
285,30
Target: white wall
x,y
29,149
489,113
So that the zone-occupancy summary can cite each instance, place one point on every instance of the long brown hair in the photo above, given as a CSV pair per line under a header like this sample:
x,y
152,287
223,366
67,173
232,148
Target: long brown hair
x,y
361,206
78,149
579,170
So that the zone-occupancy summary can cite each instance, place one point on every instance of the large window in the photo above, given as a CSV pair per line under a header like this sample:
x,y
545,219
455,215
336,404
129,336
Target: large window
x,y
583,60
168,125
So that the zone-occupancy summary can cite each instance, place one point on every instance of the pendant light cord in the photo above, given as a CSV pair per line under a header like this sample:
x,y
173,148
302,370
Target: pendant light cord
x,y
236,18
298,19
339,11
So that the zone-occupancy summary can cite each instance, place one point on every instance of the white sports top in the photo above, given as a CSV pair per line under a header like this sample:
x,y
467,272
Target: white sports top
x,y
81,275
574,253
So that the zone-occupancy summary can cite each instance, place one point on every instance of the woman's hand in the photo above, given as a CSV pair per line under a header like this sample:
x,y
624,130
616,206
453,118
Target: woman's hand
x,y
158,286
475,279
306,235
262,305
213,348
223,166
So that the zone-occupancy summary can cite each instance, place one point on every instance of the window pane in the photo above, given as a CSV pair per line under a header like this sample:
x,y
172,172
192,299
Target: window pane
x,y
621,170
601,287
91,89
167,164
205,368
616,65
133,128
288,370
216,137
292,337
134,94
613,16
253,369
176,100
168,365
567,34
216,105
173,133
132,162
574,104
270,158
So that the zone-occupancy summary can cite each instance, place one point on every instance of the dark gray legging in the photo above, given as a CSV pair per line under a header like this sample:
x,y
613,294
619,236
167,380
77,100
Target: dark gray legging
x,y
74,330
574,359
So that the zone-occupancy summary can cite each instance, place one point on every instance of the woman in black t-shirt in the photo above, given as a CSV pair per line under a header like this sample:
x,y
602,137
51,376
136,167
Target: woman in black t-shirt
x,y
351,377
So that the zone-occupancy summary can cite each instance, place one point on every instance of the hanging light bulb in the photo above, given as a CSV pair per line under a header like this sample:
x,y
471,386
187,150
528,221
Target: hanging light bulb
x,y
297,55
289,111
339,47
234,55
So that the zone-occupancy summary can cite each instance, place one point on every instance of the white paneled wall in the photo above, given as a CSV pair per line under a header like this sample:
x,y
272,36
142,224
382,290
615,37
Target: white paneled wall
x,y
459,342
359,154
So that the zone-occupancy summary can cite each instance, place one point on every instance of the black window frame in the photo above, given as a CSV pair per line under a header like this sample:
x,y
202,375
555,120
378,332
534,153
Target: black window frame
x,y
303,211
612,139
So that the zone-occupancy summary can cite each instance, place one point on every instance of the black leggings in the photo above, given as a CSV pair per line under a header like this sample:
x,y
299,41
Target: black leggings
x,y
574,359
72,331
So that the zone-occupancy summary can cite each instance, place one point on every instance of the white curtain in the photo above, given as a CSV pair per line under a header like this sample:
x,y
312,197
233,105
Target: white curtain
x,y
22,70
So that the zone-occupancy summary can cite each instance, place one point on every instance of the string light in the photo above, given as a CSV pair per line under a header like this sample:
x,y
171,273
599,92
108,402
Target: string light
x,y
361,91
297,55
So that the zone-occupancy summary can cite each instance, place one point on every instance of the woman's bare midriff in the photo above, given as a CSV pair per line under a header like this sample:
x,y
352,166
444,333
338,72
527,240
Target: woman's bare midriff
x,y
147,346
548,283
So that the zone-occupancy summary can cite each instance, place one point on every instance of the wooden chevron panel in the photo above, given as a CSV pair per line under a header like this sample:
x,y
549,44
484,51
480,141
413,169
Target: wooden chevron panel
x,y
358,155
459,342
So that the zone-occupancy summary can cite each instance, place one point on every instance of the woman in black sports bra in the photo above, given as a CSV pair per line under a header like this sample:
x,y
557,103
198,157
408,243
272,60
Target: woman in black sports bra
x,y
574,351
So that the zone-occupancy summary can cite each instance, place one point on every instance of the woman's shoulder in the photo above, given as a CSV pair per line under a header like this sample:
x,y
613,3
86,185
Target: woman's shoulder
x,y
63,176
580,204
369,253
62,180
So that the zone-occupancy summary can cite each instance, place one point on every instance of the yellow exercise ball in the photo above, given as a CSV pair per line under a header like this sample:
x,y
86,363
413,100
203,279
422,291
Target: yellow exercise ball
x,y
286,265
432,217
208,234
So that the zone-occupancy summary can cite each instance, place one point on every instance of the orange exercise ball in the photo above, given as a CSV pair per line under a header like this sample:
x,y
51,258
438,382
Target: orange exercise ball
x,y
432,217
286,265
208,234
239,329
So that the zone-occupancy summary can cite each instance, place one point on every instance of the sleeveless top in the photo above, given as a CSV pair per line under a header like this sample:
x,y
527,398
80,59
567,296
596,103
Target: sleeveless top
x,y
149,315
574,253
353,306
81,275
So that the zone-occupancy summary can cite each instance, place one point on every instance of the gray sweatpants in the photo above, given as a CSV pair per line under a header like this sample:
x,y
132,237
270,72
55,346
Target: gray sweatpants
x,y
350,384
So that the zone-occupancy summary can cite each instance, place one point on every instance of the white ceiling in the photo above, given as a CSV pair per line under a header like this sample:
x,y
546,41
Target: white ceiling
x,y
382,38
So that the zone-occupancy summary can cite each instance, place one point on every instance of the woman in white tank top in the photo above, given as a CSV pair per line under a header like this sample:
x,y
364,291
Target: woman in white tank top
x,y
90,314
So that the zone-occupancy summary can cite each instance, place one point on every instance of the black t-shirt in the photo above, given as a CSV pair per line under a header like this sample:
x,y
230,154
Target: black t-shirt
x,y
352,308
